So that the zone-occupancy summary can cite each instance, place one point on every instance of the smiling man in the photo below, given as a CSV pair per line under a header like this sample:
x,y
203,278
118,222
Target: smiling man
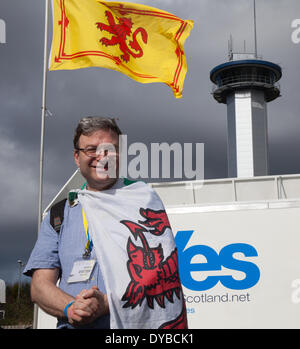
x,y
96,145
82,303
92,254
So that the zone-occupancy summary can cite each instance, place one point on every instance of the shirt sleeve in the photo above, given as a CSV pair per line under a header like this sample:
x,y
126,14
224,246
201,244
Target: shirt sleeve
x,y
45,252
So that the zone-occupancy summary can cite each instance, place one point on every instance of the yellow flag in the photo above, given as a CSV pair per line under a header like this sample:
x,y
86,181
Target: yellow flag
x,y
142,42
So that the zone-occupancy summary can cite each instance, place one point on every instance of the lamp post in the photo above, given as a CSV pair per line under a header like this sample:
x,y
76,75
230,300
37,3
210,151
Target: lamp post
x,y
20,275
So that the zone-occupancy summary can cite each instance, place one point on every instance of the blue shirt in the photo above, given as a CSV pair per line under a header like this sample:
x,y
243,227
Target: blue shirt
x,y
53,250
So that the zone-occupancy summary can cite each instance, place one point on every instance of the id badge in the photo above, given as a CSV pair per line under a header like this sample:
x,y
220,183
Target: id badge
x,y
82,270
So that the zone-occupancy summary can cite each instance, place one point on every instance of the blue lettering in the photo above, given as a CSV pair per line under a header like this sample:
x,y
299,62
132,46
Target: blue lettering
x,y
250,269
186,267
215,262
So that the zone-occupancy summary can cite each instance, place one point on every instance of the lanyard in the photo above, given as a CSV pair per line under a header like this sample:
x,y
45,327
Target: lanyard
x,y
89,244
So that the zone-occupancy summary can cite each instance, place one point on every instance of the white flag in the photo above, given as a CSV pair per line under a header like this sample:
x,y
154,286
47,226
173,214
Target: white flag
x,y
136,251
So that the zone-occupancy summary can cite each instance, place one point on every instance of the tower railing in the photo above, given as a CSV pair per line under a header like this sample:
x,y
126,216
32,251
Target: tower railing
x,y
245,79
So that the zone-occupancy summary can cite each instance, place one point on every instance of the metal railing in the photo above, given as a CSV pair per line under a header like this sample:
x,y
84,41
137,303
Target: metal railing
x,y
244,79
231,190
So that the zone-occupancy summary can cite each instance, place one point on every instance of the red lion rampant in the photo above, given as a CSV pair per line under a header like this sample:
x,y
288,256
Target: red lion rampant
x,y
120,32
152,276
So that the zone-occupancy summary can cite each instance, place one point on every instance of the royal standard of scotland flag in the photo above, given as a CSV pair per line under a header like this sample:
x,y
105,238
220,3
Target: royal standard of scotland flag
x,y
142,42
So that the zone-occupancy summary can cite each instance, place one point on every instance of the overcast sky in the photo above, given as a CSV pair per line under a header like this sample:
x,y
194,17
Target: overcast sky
x,y
147,112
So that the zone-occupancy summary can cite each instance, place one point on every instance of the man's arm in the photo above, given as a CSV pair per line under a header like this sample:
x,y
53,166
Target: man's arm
x,y
46,294
88,305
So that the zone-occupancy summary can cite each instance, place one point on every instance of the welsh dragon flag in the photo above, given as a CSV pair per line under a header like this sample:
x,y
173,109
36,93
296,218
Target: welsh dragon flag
x,y
135,247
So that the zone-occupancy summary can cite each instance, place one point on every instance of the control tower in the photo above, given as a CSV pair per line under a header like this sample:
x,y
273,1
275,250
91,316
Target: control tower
x,y
246,84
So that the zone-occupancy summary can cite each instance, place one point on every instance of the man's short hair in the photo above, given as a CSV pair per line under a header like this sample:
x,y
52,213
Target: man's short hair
x,y
90,124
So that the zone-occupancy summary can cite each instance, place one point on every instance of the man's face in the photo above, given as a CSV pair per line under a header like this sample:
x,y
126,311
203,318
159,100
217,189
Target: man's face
x,y
94,170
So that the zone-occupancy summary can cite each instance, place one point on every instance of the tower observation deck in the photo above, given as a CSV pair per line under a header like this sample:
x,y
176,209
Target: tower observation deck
x,y
246,84
244,74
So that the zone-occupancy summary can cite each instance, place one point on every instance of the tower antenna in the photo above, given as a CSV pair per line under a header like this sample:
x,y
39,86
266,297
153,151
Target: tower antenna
x,y
255,35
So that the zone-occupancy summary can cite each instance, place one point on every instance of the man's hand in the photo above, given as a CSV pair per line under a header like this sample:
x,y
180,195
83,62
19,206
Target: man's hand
x,y
88,306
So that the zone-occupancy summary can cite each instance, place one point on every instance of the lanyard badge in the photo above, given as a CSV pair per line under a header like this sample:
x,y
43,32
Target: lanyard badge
x,y
83,268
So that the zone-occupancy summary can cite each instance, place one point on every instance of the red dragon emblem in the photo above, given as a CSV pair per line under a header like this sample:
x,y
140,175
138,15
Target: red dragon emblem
x,y
120,32
152,276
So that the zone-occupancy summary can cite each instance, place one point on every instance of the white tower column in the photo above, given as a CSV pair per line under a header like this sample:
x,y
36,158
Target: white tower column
x,y
247,133
246,86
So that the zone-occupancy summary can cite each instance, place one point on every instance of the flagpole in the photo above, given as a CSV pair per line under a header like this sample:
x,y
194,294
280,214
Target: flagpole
x,y
44,109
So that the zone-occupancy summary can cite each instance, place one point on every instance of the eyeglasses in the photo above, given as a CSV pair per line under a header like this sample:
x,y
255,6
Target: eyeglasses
x,y
94,152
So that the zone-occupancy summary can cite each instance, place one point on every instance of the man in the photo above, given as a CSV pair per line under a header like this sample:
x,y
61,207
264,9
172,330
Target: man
x,y
80,300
